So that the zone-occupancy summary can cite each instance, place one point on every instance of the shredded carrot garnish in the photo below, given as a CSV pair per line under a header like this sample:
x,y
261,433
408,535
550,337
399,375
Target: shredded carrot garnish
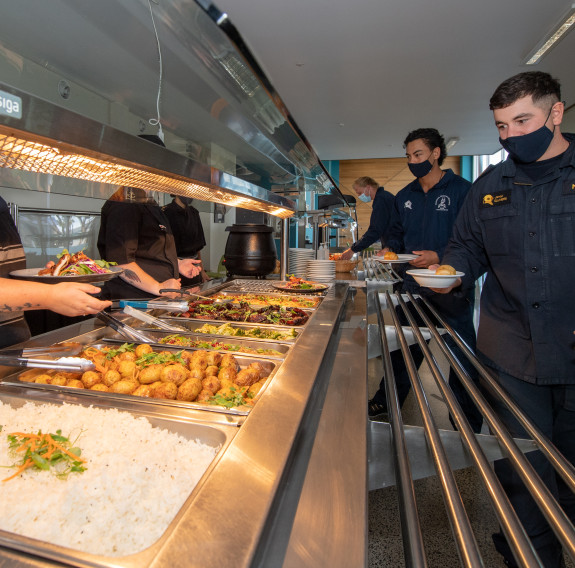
x,y
42,451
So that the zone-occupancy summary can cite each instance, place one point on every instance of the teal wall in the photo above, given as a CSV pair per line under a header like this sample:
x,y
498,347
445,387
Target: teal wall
x,y
467,167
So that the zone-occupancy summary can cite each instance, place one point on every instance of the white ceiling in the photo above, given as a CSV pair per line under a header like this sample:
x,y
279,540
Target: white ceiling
x,y
357,75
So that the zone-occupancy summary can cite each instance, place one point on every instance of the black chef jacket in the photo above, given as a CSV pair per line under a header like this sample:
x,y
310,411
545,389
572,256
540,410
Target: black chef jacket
x,y
13,327
136,232
186,228
522,234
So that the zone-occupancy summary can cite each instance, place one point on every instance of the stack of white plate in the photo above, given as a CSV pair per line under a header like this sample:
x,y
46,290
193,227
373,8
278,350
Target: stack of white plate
x,y
321,270
297,261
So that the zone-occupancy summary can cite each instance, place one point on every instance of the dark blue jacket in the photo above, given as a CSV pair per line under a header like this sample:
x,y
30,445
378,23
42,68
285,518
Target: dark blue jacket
x,y
423,221
522,234
379,222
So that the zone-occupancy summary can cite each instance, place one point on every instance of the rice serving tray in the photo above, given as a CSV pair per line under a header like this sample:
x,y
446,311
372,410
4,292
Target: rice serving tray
x,y
42,408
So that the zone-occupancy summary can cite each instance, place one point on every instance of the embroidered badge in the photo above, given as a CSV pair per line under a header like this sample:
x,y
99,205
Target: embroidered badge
x,y
569,187
407,205
494,199
442,203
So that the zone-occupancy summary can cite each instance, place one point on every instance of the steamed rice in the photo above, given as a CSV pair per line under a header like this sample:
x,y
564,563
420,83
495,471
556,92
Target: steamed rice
x,y
137,478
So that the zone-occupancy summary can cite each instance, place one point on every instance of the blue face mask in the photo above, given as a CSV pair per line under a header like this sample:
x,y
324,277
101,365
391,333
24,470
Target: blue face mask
x,y
365,198
529,147
422,169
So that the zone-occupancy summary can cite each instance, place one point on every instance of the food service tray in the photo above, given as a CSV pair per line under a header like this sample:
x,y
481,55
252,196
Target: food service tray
x,y
269,365
216,436
192,325
281,349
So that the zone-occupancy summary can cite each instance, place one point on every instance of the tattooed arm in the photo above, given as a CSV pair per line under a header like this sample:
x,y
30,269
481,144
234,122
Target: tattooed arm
x,y
67,298
136,276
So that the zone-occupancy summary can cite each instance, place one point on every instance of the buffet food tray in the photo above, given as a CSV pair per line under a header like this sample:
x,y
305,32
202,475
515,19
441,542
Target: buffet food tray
x,y
193,324
237,346
305,302
217,437
27,378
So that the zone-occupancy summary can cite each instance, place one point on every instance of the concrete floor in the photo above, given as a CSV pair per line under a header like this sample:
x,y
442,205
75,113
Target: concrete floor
x,y
384,539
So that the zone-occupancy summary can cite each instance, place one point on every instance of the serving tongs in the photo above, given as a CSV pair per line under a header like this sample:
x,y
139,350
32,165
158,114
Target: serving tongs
x,y
187,293
147,318
124,329
25,358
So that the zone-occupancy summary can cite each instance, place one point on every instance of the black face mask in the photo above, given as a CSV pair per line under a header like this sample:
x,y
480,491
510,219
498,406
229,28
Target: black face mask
x,y
529,147
186,200
421,169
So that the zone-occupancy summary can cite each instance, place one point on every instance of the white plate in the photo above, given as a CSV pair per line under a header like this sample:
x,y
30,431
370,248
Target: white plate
x,y
401,258
428,279
32,274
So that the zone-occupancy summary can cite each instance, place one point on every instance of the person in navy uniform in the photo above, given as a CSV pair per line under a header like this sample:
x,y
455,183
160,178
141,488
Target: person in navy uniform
x,y
367,189
517,228
423,218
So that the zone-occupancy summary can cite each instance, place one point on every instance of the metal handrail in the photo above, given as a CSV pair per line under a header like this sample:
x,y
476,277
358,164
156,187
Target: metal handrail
x,y
554,514
465,539
516,536
410,527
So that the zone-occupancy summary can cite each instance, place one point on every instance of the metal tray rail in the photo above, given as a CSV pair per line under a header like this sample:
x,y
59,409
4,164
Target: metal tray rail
x,y
270,366
217,436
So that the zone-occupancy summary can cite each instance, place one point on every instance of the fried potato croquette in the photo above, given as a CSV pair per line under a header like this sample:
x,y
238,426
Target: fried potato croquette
x,y
247,377
91,378
75,384
390,255
212,383
125,386
164,390
111,377
174,374
143,349
101,387
190,389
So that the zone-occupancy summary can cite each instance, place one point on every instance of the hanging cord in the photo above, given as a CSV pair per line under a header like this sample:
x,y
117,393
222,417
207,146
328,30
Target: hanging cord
x,y
157,121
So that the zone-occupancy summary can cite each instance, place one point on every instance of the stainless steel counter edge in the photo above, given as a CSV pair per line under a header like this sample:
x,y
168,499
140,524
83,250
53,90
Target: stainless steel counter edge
x,y
243,514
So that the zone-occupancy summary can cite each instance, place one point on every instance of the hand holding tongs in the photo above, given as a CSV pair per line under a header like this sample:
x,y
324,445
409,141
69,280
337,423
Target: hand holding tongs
x,y
142,316
124,329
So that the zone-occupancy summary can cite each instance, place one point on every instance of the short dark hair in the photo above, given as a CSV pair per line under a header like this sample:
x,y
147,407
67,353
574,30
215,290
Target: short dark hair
x,y
543,89
432,138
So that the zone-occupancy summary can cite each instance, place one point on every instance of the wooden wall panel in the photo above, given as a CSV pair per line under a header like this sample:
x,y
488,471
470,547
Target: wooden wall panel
x,y
391,173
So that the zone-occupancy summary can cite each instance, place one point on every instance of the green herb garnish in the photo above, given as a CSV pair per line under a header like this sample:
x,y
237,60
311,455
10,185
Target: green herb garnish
x,y
45,452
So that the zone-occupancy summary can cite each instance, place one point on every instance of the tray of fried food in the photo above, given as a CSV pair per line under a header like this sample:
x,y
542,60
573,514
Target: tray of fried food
x,y
200,379
269,299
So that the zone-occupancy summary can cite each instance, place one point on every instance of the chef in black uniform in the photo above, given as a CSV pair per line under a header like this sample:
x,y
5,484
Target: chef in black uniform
x,y
188,234
135,233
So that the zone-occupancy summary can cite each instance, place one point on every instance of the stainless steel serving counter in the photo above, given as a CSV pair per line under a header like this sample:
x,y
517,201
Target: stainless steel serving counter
x,y
290,488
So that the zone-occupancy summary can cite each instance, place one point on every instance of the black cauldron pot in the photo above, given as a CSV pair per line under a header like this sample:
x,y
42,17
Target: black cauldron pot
x,y
250,250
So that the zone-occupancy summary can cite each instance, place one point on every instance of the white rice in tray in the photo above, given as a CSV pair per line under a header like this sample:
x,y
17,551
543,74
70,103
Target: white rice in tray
x,y
137,478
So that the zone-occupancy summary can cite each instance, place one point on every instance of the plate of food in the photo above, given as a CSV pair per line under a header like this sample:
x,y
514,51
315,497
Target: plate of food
x,y
295,284
442,277
70,268
393,258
